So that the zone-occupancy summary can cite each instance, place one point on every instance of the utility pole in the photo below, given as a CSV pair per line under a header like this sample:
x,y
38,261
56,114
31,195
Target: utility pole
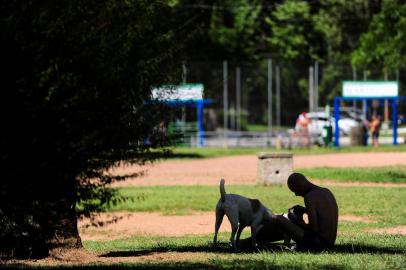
x,y
386,108
316,86
270,97
397,77
225,102
278,97
354,73
184,77
184,72
238,98
354,78
311,89
364,102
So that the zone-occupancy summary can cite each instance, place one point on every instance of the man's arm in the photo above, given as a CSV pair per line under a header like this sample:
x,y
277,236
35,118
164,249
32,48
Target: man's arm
x,y
312,213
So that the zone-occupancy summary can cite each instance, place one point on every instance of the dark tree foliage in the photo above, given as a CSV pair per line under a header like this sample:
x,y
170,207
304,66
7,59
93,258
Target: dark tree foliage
x,y
383,46
75,79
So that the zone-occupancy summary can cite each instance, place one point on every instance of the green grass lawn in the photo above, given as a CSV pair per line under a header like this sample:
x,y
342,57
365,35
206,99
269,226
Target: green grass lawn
x,y
195,153
355,248
390,174
264,128
360,252
363,251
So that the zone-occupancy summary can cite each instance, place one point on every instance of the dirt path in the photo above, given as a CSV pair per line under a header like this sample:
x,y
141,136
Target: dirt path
x,y
80,258
129,224
243,169
155,224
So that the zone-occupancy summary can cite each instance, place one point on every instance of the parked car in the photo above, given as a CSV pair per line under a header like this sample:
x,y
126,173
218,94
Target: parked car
x,y
320,119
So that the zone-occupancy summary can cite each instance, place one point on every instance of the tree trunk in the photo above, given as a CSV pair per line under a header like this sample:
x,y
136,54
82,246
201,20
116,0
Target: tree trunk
x,y
35,221
60,226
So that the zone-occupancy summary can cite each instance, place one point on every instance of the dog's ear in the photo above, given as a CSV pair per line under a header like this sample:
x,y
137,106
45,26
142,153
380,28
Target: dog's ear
x,y
299,210
255,204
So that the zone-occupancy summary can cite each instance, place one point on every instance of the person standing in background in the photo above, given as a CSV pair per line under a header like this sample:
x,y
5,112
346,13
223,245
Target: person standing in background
x,y
375,127
304,134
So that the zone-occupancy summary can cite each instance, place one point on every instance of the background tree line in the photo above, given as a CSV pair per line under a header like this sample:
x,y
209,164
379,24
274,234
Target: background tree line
x,y
362,36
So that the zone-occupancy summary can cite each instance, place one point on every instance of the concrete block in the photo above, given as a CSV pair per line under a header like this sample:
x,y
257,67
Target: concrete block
x,y
274,168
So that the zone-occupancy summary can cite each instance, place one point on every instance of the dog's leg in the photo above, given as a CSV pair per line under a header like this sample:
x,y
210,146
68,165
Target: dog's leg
x,y
255,226
234,228
219,220
254,236
237,240
233,218
286,239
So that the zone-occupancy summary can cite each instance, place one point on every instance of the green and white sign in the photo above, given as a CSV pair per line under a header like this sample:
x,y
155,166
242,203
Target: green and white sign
x,y
370,89
185,91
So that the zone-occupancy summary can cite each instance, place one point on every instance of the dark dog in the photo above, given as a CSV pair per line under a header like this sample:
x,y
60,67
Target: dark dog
x,y
294,214
241,212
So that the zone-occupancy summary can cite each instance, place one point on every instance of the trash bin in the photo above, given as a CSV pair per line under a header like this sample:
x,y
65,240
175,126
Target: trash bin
x,y
327,135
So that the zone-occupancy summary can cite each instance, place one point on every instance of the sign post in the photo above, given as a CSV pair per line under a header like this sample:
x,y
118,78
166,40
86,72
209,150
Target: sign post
x,y
182,92
368,91
181,95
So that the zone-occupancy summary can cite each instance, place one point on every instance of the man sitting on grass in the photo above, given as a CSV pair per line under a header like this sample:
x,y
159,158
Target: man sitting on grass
x,y
321,207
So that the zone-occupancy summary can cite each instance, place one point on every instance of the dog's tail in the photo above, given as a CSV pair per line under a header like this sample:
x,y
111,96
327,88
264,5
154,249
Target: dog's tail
x,y
222,190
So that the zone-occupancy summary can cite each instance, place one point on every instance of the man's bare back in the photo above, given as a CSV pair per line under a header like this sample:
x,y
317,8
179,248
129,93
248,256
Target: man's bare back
x,y
322,211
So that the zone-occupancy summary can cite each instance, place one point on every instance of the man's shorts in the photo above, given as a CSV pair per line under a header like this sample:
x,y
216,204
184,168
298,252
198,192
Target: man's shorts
x,y
375,134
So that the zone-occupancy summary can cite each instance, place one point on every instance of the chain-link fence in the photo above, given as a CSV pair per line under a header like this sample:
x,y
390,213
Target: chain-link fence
x,y
258,103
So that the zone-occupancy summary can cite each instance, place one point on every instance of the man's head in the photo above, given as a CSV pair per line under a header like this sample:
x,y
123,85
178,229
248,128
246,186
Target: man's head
x,y
298,184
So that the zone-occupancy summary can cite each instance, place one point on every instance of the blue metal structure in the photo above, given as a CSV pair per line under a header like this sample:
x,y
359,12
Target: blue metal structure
x,y
199,104
393,100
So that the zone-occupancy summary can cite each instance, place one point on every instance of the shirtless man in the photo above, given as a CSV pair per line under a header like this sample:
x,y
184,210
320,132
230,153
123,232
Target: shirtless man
x,y
320,232
303,125
375,126
322,212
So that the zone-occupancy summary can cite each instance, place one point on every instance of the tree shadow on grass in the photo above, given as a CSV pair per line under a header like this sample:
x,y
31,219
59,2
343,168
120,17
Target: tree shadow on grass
x,y
221,248
346,249
241,264
353,249
118,266
218,263
171,155
274,248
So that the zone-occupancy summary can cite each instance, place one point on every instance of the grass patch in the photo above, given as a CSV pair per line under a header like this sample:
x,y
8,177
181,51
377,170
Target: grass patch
x,y
264,128
386,205
392,174
202,243
363,251
197,153
359,252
